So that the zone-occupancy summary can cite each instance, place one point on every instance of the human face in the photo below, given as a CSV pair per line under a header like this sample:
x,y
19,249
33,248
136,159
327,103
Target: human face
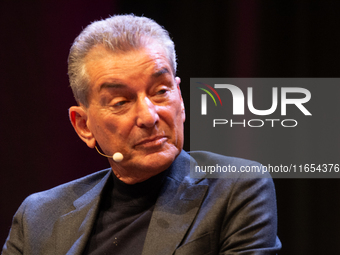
x,y
135,108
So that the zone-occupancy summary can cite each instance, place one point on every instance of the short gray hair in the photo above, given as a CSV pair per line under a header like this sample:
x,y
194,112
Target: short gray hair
x,y
120,33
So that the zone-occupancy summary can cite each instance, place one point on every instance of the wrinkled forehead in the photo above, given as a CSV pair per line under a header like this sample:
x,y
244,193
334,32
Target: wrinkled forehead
x,y
106,66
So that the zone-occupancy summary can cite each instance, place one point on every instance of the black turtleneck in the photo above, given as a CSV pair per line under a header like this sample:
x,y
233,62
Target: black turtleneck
x,y
124,216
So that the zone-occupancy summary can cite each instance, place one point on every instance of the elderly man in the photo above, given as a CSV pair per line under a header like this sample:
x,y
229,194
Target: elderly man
x,y
123,75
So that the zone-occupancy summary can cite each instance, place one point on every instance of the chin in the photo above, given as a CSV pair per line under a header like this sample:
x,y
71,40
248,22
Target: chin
x,y
159,161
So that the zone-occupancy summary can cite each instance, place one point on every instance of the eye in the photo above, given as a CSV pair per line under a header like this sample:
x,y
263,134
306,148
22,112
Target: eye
x,y
162,91
120,103
120,106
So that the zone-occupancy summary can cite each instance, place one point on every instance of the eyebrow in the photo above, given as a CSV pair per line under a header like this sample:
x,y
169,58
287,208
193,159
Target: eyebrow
x,y
118,85
111,85
164,70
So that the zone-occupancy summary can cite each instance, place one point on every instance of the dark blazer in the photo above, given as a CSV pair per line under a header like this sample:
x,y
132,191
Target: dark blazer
x,y
234,215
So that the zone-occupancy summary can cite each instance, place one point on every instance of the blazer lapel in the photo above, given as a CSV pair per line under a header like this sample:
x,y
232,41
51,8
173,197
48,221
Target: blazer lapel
x,y
73,229
175,210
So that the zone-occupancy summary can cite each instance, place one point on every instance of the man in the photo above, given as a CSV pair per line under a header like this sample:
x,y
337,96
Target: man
x,y
123,74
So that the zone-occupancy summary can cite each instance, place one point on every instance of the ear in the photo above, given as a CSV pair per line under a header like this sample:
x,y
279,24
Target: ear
x,y
178,81
78,117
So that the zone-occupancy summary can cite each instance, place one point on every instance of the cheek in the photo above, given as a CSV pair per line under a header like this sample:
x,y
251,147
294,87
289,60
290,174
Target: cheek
x,y
174,117
101,124
120,127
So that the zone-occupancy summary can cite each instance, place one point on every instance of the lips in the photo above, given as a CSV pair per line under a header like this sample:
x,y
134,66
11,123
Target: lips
x,y
152,141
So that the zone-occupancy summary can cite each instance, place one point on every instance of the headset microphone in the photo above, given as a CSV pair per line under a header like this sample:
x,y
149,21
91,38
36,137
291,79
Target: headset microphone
x,y
117,157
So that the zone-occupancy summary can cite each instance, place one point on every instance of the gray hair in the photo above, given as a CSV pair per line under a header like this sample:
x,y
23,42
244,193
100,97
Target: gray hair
x,y
120,33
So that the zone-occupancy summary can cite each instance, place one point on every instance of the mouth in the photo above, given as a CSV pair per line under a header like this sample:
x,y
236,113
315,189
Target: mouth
x,y
152,142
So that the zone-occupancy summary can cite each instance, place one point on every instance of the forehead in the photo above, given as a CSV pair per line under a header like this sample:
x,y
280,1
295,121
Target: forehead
x,y
136,69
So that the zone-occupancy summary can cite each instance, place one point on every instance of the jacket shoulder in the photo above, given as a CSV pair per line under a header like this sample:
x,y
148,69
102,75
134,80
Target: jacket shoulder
x,y
64,194
34,222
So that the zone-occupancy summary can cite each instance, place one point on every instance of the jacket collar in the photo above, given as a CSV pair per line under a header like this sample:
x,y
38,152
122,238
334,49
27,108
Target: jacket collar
x,y
73,229
176,208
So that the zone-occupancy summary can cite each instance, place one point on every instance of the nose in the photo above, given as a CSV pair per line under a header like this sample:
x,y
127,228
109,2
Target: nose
x,y
147,115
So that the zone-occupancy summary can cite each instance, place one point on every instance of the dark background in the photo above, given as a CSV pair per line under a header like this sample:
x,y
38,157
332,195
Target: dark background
x,y
39,148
